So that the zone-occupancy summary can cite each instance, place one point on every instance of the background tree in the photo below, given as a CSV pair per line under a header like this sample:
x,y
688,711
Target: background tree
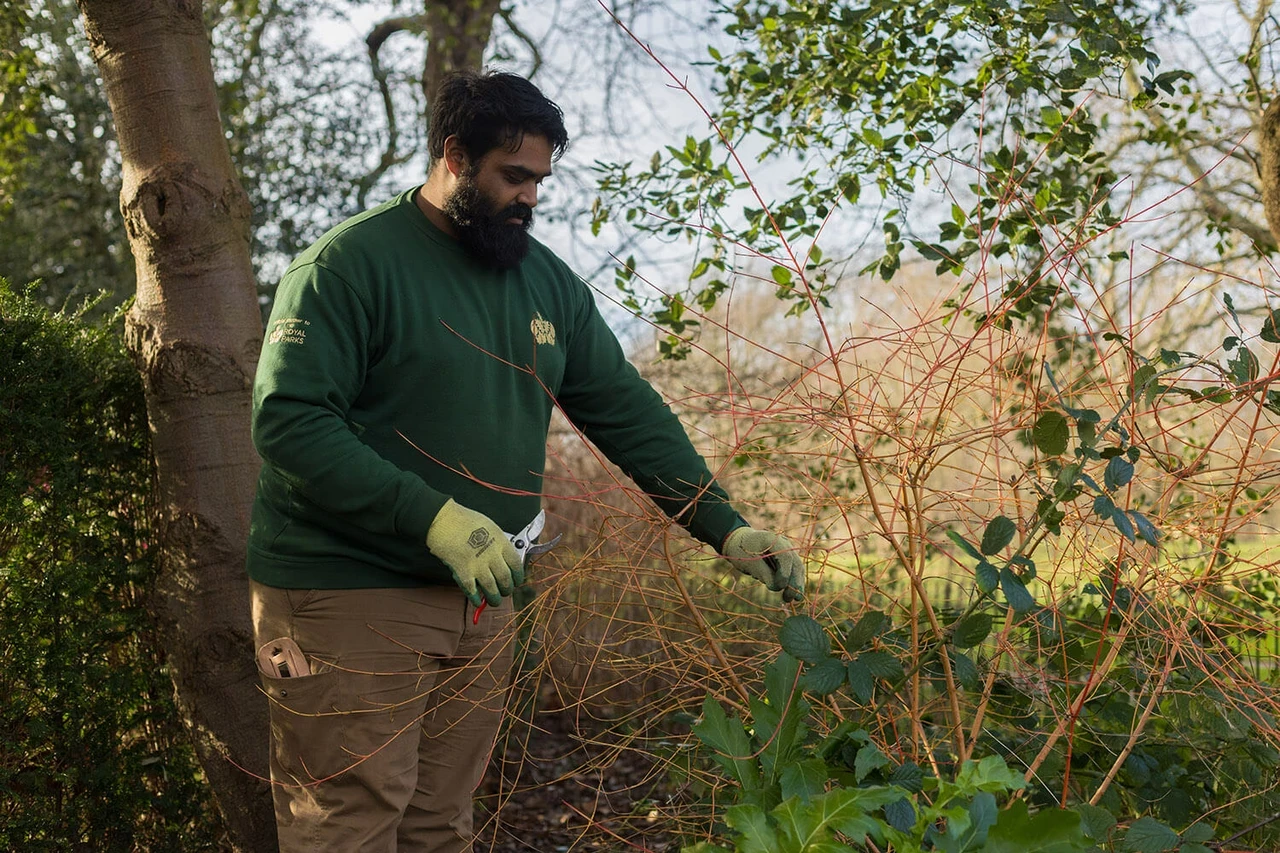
x,y
195,333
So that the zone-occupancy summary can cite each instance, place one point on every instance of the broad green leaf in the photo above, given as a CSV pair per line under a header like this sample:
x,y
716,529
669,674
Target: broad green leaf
x,y
825,677
1197,833
991,774
909,776
987,576
882,665
807,825
1148,835
901,815
782,275
753,824
1098,822
1141,377
1047,831
1015,592
1124,524
802,637
1145,528
1051,434
1119,472
868,628
971,630
999,533
869,758
804,779
965,670
861,681
728,739
1269,332
964,544
983,813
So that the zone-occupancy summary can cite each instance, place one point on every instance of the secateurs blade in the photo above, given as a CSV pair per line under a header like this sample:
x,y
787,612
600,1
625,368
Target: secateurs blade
x,y
528,547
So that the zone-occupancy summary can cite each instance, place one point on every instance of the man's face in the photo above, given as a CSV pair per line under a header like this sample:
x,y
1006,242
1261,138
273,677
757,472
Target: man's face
x,y
491,206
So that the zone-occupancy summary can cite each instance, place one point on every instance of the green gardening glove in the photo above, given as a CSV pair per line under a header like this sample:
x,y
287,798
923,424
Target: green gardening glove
x,y
769,558
479,554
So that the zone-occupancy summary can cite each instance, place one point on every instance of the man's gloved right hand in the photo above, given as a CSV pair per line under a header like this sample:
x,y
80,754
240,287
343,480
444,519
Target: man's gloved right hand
x,y
769,558
478,553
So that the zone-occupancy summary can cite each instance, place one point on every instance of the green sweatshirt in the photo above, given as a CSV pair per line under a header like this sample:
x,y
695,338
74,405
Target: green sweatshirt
x,y
398,373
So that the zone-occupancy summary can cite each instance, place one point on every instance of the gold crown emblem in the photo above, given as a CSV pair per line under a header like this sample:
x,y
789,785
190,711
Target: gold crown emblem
x,y
543,331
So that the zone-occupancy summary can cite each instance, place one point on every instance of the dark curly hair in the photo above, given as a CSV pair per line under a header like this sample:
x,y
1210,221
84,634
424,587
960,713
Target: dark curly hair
x,y
486,110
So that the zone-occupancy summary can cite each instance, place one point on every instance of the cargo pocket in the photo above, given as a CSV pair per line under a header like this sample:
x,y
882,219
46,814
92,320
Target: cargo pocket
x,y
308,726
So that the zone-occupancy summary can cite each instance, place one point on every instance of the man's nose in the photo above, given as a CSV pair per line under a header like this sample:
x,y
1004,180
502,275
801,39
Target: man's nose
x,y
528,196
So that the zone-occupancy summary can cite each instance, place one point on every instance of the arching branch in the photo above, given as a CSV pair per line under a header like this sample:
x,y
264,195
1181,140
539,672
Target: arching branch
x,y
377,37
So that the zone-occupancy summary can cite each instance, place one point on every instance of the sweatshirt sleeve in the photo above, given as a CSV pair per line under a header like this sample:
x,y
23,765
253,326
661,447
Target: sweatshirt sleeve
x,y
311,370
605,396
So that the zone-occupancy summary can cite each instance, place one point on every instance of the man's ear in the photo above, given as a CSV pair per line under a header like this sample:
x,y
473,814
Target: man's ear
x,y
455,156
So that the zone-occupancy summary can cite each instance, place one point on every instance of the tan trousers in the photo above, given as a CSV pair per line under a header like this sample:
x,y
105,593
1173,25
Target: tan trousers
x,y
379,749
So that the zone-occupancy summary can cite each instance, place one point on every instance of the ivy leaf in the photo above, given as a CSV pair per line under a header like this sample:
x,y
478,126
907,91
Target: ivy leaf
x,y
1015,592
1148,835
999,533
802,637
971,630
825,678
1051,434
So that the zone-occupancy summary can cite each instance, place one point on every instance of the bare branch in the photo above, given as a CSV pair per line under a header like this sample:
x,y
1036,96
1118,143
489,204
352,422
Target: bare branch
x,y
374,41
507,19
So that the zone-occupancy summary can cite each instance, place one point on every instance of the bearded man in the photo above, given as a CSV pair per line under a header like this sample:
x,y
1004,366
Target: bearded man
x,y
412,362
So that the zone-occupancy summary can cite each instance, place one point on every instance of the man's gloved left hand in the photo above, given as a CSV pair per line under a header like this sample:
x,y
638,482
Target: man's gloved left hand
x,y
769,558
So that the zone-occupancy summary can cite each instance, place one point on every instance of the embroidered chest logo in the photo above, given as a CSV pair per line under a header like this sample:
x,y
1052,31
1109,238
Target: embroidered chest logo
x,y
543,331
290,330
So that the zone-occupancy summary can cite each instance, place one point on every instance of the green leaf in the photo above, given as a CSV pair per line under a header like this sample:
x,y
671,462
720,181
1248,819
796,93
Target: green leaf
x,y
964,544
804,779
1048,831
1269,333
983,814
803,638
991,774
861,681
782,275
881,665
909,776
705,847
1098,822
1148,835
1141,377
999,533
901,815
965,670
971,630
1145,528
728,739
1118,473
825,677
1051,433
1197,833
869,758
753,824
988,577
1015,592
1123,523
869,626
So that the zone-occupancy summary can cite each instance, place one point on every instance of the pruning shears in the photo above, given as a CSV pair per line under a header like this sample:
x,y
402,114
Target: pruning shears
x,y
528,547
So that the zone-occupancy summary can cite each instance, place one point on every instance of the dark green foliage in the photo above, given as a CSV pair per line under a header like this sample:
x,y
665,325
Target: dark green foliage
x,y
93,755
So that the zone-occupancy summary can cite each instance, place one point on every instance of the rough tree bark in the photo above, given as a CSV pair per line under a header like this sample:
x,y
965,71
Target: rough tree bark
x,y
1268,136
195,332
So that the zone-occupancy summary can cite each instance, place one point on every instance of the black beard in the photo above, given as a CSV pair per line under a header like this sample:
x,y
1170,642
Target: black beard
x,y
485,232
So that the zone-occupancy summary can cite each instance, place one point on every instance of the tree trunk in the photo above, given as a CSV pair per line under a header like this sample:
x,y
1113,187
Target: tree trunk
x,y
457,34
195,332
